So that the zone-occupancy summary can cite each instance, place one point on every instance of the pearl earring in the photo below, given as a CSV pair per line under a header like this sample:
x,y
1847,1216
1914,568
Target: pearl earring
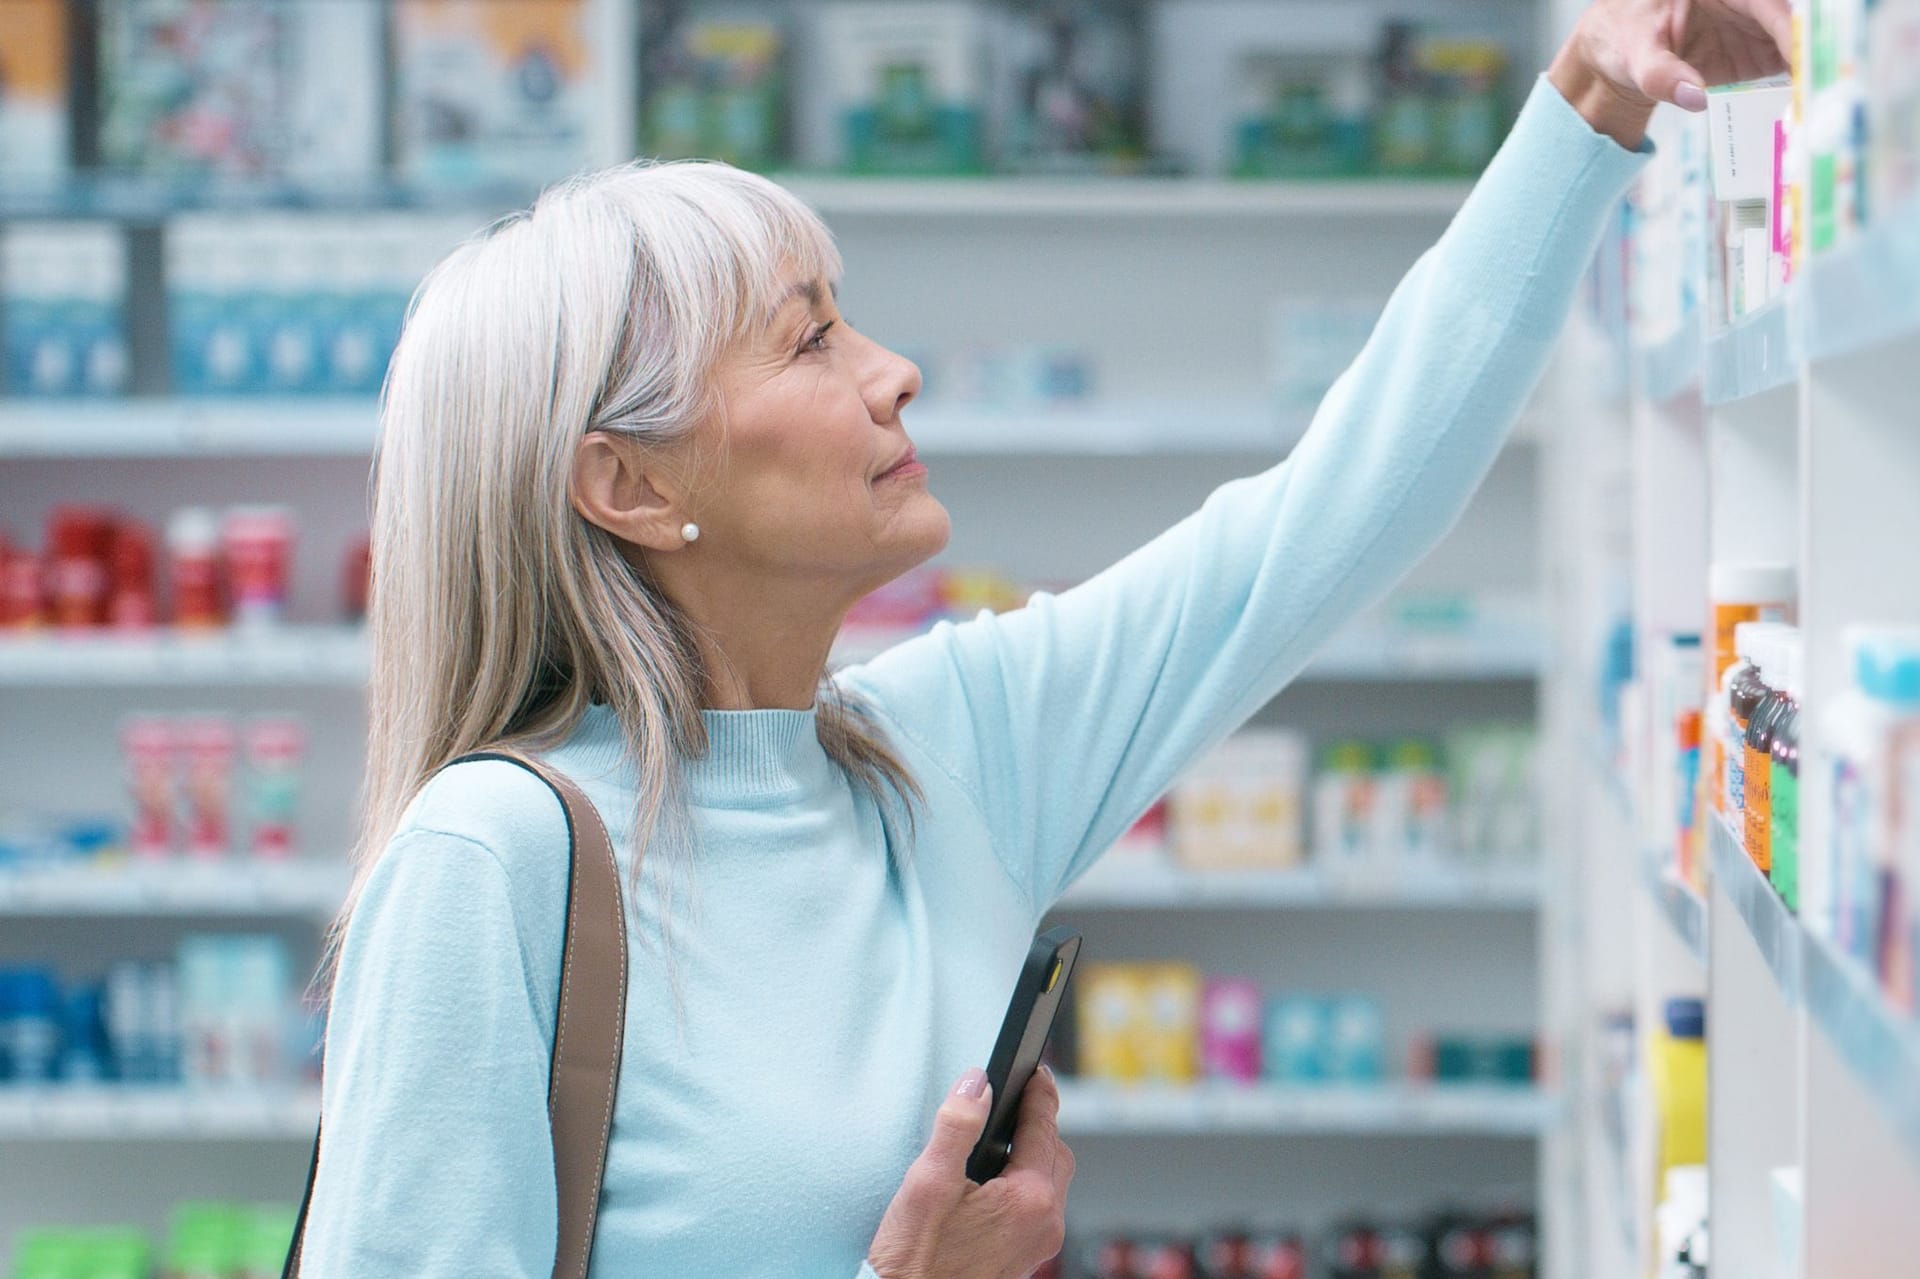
x,y
690,531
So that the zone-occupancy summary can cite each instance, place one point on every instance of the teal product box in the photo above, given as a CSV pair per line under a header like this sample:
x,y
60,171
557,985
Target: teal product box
x,y
65,289
1301,115
211,272
1482,1059
905,83
1356,1040
1295,1043
713,86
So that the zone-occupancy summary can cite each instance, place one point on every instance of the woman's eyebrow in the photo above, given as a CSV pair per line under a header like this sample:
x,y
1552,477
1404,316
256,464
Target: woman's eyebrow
x,y
808,289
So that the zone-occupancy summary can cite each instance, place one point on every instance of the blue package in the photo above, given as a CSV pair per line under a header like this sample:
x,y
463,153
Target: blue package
x,y
1356,1040
1294,1049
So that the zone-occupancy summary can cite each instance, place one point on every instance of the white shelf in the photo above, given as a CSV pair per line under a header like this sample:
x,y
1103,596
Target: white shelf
x,y
1757,353
1093,1108
1361,655
106,1112
287,655
165,426
1879,1043
1136,881
1684,909
1774,929
1867,292
1100,197
235,886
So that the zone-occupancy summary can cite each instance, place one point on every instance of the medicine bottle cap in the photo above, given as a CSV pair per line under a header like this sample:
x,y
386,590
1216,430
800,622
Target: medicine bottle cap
x,y
1751,583
1686,1018
1886,662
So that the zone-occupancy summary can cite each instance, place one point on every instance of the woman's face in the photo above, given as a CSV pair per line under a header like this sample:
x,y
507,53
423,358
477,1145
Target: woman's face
x,y
814,480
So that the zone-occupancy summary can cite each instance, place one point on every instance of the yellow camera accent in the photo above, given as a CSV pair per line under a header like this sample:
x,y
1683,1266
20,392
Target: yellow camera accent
x,y
1053,975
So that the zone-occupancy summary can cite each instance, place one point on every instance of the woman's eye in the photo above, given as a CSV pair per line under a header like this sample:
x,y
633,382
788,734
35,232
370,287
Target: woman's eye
x,y
818,342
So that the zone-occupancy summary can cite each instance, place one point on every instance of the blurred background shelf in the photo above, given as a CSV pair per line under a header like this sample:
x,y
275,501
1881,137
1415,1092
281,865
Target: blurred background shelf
x,y
1865,292
1358,654
1774,929
157,1113
301,886
1119,884
1757,353
1879,1043
1684,909
161,426
1145,197
1090,1108
290,655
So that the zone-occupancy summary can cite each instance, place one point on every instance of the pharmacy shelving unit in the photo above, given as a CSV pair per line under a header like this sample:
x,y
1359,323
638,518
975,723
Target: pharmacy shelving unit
x,y
1054,494
1168,287
1787,437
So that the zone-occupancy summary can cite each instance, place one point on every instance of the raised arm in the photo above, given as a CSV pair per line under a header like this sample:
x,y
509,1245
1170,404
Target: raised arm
x,y
1068,717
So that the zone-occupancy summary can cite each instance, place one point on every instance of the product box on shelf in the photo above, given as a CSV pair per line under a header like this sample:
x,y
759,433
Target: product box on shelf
x,y
1862,889
492,91
1069,92
895,87
1240,807
33,92
247,90
713,84
206,1239
1747,150
63,296
1310,342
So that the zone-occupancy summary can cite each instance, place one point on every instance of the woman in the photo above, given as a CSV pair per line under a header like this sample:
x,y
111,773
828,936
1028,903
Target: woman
x,y
635,469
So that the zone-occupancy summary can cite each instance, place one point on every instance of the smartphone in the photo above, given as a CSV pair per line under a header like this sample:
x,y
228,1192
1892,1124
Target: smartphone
x,y
1030,1014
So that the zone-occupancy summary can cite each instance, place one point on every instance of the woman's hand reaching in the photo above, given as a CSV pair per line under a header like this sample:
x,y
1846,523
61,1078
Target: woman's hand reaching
x,y
1624,56
943,1226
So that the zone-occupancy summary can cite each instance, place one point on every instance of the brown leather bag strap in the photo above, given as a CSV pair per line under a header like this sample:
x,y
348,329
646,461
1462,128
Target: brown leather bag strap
x,y
588,1027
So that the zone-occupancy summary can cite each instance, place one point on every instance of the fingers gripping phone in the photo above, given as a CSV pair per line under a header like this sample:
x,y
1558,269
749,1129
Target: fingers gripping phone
x,y
1029,1020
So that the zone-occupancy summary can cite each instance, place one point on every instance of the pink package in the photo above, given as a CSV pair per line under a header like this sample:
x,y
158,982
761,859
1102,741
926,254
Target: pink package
x,y
147,745
1230,1029
275,748
207,751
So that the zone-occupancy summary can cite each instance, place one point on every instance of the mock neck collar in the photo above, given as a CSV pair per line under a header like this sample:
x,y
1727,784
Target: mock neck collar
x,y
754,759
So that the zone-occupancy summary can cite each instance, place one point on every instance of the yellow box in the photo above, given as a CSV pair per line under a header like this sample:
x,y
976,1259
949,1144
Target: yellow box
x,y
1169,1029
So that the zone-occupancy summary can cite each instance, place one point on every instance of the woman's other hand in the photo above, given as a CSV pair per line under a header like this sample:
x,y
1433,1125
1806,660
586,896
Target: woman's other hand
x,y
1624,56
943,1226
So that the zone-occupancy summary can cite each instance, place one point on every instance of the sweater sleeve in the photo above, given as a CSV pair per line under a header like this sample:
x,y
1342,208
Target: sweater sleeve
x,y
1067,718
435,1156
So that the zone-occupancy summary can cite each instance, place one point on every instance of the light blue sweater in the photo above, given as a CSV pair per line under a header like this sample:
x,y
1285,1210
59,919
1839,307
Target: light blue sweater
x,y
832,994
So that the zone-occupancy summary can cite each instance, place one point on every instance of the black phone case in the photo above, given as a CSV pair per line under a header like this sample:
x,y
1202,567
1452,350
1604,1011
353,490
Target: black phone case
x,y
1023,1035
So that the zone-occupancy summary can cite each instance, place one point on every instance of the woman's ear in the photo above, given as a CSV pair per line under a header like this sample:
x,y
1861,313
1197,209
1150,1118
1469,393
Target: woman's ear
x,y
624,489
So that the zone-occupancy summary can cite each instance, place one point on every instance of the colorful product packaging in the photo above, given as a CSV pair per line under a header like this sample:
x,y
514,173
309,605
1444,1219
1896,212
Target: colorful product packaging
x,y
901,86
249,90
33,92
492,91
207,745
1240,806
1110,1002
149,746
1295,1039
1230,1029
1070,88
63,290
713,86
193,569
258,545
275,751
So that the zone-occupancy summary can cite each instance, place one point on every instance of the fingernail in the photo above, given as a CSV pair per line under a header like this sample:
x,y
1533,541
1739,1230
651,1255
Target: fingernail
x,y
1689,96
1047,1068
971,1084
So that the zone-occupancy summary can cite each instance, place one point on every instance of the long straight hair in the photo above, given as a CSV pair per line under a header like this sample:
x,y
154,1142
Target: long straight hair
x,y
497,613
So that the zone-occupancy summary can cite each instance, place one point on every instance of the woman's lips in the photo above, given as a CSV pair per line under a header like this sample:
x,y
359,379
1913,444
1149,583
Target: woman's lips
x,y
906,468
